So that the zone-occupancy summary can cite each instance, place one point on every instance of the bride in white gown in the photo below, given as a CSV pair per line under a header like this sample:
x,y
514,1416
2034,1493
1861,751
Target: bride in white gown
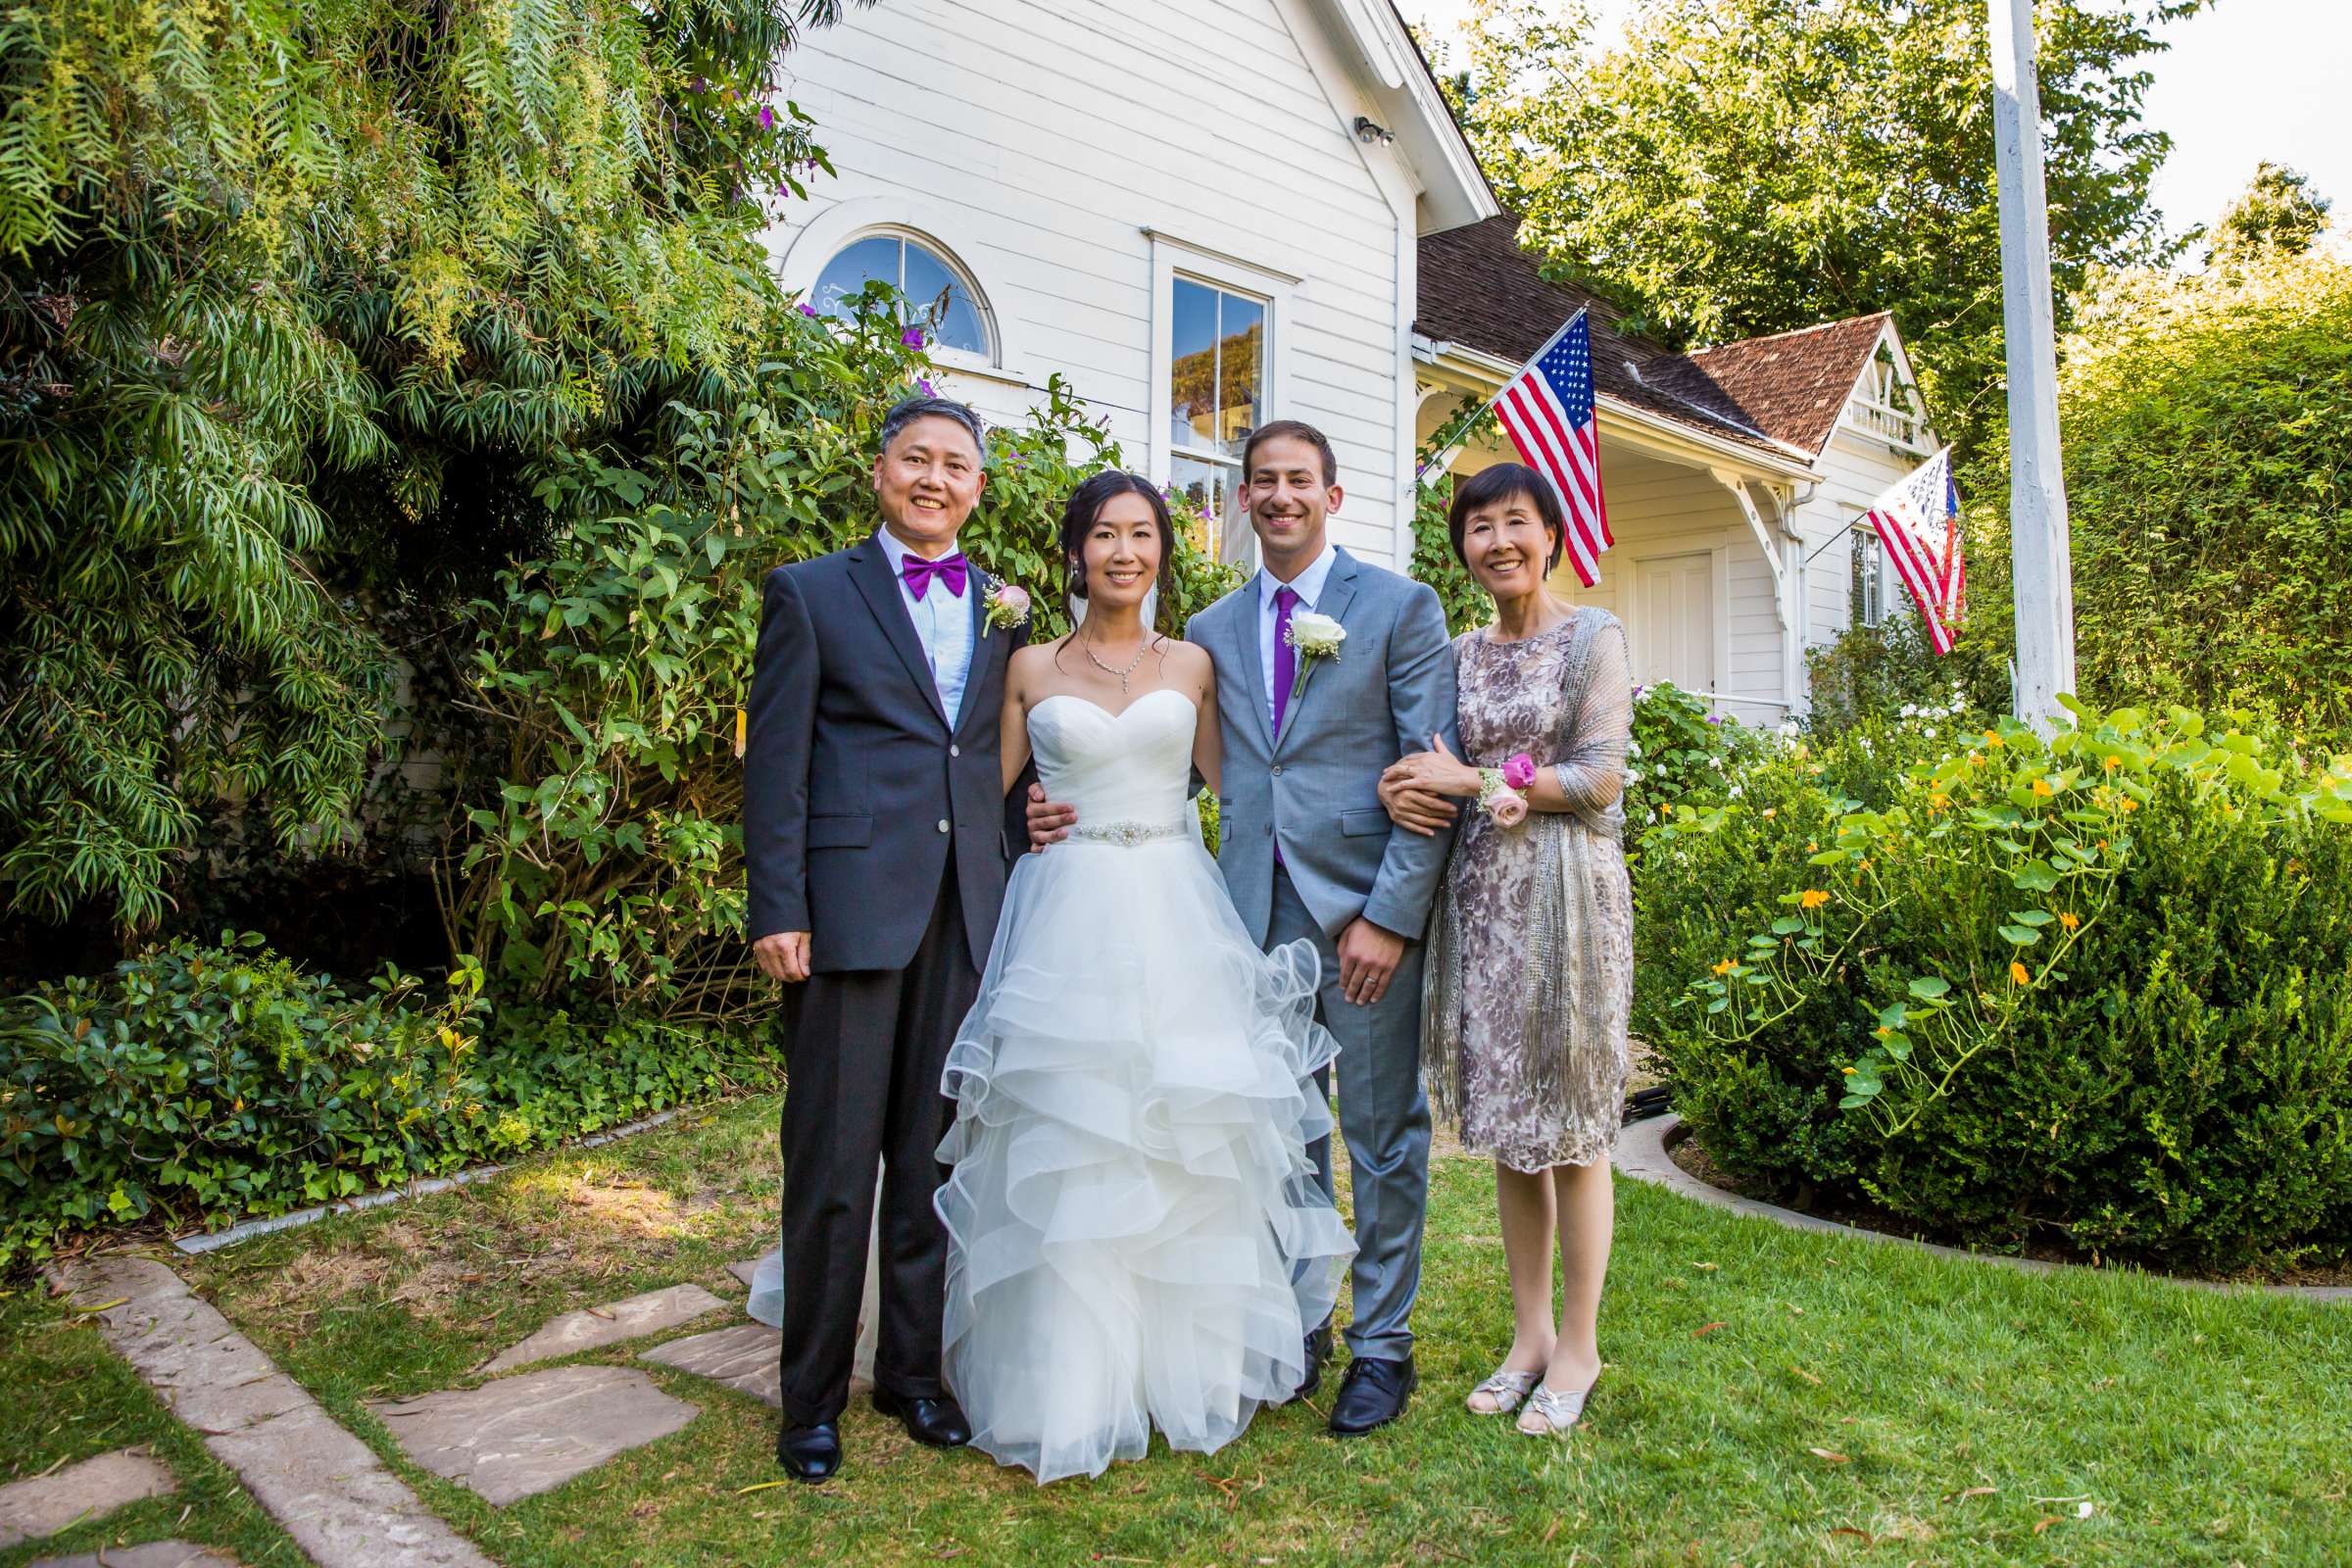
x,y
1136,1236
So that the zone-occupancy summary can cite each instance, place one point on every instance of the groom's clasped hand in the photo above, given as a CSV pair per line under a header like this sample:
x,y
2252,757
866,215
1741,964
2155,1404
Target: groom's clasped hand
x,y
1069,1068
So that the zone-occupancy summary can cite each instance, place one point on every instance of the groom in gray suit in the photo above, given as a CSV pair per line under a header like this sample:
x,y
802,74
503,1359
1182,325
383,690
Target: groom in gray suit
x,y
1308,853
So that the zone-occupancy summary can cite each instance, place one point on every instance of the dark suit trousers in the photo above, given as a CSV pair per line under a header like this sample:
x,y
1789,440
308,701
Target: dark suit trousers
x,y
863,1050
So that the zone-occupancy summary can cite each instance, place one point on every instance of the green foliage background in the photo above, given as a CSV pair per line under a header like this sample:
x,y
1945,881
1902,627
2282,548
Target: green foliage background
x,y
1745,167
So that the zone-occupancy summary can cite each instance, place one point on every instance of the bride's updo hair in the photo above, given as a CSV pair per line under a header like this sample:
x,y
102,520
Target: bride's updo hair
x,y
1078,516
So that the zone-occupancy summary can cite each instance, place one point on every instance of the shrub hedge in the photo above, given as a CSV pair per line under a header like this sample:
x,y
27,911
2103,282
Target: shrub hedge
x,y
2093,989
202,1083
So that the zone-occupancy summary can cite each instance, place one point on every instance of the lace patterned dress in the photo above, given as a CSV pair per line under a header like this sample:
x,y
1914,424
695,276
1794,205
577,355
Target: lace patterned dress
x,y
1531,959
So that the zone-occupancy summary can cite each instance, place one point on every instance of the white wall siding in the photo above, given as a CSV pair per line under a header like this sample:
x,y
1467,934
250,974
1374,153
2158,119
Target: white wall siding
x,y
1040,138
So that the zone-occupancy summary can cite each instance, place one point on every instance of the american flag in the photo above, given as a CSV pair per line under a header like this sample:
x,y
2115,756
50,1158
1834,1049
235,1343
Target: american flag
x,y
1547,410
1919,522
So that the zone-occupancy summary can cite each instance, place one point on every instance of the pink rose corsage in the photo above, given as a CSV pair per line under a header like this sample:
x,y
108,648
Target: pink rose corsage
x,y
1499,800
1519,772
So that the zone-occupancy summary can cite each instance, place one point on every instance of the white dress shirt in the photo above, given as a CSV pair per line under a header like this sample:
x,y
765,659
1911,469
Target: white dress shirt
x,y
1308,585
943,624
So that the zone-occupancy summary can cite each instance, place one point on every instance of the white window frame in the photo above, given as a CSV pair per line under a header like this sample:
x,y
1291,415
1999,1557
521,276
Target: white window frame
x,y
1869,574
1172,258
802,256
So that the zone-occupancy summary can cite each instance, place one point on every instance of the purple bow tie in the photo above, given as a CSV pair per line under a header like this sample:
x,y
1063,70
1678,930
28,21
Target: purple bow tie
x,y
951,570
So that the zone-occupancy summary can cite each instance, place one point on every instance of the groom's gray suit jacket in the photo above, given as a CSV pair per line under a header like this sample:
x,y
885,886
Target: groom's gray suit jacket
x,y
1314,788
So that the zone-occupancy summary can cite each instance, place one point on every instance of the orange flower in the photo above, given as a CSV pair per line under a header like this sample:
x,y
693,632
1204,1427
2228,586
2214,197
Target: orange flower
x,y
1990,739
2069,920
1813,899
2041,787
1772,812
1725,967
2127,803
2112,763
1938,801
2018,975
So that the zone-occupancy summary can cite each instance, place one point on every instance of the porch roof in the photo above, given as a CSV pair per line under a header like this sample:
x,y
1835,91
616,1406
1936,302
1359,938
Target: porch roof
x,y
1777,397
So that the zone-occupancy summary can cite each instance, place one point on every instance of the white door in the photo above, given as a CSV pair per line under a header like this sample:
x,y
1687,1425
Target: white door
x,y
1673,630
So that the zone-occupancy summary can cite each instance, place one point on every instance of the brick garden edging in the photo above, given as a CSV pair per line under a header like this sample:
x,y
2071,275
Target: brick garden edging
x,y
1643,1154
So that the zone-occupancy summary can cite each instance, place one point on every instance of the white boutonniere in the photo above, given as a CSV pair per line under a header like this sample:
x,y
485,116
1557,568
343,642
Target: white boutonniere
x,y
1007,607
1316,637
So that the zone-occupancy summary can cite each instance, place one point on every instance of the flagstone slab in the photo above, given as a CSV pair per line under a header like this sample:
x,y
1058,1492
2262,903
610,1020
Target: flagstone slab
x,y
42,1505
154,1554
743,1268
323,1486
210,1376
743,1358
594,1326
520,1435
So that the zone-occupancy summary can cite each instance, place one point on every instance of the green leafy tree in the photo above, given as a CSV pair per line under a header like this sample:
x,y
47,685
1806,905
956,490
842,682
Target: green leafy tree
x,y
2207,419
286,292
2278,213
1744,166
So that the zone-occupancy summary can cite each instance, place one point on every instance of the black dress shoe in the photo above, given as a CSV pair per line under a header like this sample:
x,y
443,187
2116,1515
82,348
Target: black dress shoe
x,y
1372,1395
811,1452
1318,1350
935,1423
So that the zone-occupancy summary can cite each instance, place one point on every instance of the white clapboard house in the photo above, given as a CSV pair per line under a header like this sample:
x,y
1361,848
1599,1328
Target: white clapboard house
x,y
1207,214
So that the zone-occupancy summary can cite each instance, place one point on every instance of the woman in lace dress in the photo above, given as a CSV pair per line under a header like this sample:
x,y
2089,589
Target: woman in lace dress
x,y
1530,965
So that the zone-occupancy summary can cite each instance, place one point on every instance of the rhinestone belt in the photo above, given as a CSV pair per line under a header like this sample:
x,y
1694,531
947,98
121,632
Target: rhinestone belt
x,y
1127,835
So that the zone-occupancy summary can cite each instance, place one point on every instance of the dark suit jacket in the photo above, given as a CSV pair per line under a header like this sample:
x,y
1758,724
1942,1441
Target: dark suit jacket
x,y
855,786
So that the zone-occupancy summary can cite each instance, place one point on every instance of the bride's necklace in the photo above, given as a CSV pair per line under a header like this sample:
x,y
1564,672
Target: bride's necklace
x,y
1144,648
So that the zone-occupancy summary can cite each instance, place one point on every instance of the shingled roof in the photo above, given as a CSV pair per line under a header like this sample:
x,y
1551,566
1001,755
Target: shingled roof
x,y
1480,289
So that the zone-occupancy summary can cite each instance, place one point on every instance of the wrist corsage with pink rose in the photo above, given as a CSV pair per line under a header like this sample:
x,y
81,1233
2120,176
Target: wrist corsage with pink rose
x,y
1501,790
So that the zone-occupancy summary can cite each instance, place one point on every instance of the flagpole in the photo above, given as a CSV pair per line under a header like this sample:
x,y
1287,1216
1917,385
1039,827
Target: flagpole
x,y
1445,456
2038,522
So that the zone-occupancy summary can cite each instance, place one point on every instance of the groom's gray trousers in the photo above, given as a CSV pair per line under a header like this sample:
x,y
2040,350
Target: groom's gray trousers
x,y
1385,1117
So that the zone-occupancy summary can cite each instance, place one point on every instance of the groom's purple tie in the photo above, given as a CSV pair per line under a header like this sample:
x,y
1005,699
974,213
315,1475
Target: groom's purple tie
x,y
1286,657
1285,667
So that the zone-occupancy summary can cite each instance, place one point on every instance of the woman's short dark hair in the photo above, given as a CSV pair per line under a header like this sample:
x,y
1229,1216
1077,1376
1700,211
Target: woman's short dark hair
x,y
1494,486
1086,504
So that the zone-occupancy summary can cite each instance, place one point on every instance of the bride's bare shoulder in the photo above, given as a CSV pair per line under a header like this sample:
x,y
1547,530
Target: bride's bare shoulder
x,y
1035,655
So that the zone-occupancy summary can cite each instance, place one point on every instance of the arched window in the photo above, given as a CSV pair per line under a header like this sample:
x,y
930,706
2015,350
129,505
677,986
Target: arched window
x,y
939,293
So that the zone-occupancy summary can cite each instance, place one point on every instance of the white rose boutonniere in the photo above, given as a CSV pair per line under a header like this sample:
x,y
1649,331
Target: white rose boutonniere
x,y
1316,637
1007,607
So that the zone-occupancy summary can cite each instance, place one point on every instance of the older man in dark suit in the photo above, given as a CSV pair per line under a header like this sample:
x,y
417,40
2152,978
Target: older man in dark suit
x,y
875,847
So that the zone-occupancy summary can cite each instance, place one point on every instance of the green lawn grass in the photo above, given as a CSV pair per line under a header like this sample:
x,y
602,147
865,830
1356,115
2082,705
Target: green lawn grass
x,y
1771,1397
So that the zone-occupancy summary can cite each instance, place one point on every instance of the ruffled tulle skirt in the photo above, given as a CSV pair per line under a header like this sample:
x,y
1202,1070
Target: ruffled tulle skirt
x,y
1136,1235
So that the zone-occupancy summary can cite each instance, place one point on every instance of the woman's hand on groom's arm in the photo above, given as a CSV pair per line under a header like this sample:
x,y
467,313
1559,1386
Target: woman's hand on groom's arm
x,y
1048,820
1414,790
783,955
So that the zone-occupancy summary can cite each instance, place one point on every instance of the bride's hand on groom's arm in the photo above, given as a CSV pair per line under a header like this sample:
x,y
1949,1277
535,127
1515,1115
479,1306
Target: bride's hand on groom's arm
x,y
1048,820
783,955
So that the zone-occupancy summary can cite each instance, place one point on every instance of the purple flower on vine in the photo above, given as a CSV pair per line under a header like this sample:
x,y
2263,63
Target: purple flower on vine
x,y
912,337
698,84
768,117
923,382
807,309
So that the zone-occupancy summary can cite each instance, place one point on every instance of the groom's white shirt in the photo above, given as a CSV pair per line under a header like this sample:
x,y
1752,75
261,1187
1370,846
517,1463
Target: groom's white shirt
x,y
943,624
1308,585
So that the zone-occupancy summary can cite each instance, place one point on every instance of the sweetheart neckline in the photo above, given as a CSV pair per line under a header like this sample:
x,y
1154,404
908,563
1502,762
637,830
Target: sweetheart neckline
x,y
1120,714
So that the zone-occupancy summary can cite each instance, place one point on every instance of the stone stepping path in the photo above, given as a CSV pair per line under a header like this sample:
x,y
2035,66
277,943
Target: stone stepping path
x,y
42,1505
593,1327
154,1554
326,1486
743,1358
520,1436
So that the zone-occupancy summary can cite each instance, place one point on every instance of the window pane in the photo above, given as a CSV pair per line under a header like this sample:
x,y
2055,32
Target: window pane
x,y
1191,376
874,257
1210,487
939,299
1241,372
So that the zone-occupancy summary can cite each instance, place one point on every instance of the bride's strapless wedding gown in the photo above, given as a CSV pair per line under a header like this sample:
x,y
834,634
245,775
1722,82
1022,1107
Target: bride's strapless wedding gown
x,y
1136,1236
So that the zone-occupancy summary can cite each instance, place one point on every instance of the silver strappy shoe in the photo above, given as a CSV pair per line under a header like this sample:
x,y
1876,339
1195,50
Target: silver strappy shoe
x,y
1559,1410
1508,1389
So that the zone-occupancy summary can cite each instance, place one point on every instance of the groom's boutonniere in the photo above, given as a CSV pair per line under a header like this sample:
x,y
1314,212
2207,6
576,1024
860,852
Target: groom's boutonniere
x,y
1007,607
1316,637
